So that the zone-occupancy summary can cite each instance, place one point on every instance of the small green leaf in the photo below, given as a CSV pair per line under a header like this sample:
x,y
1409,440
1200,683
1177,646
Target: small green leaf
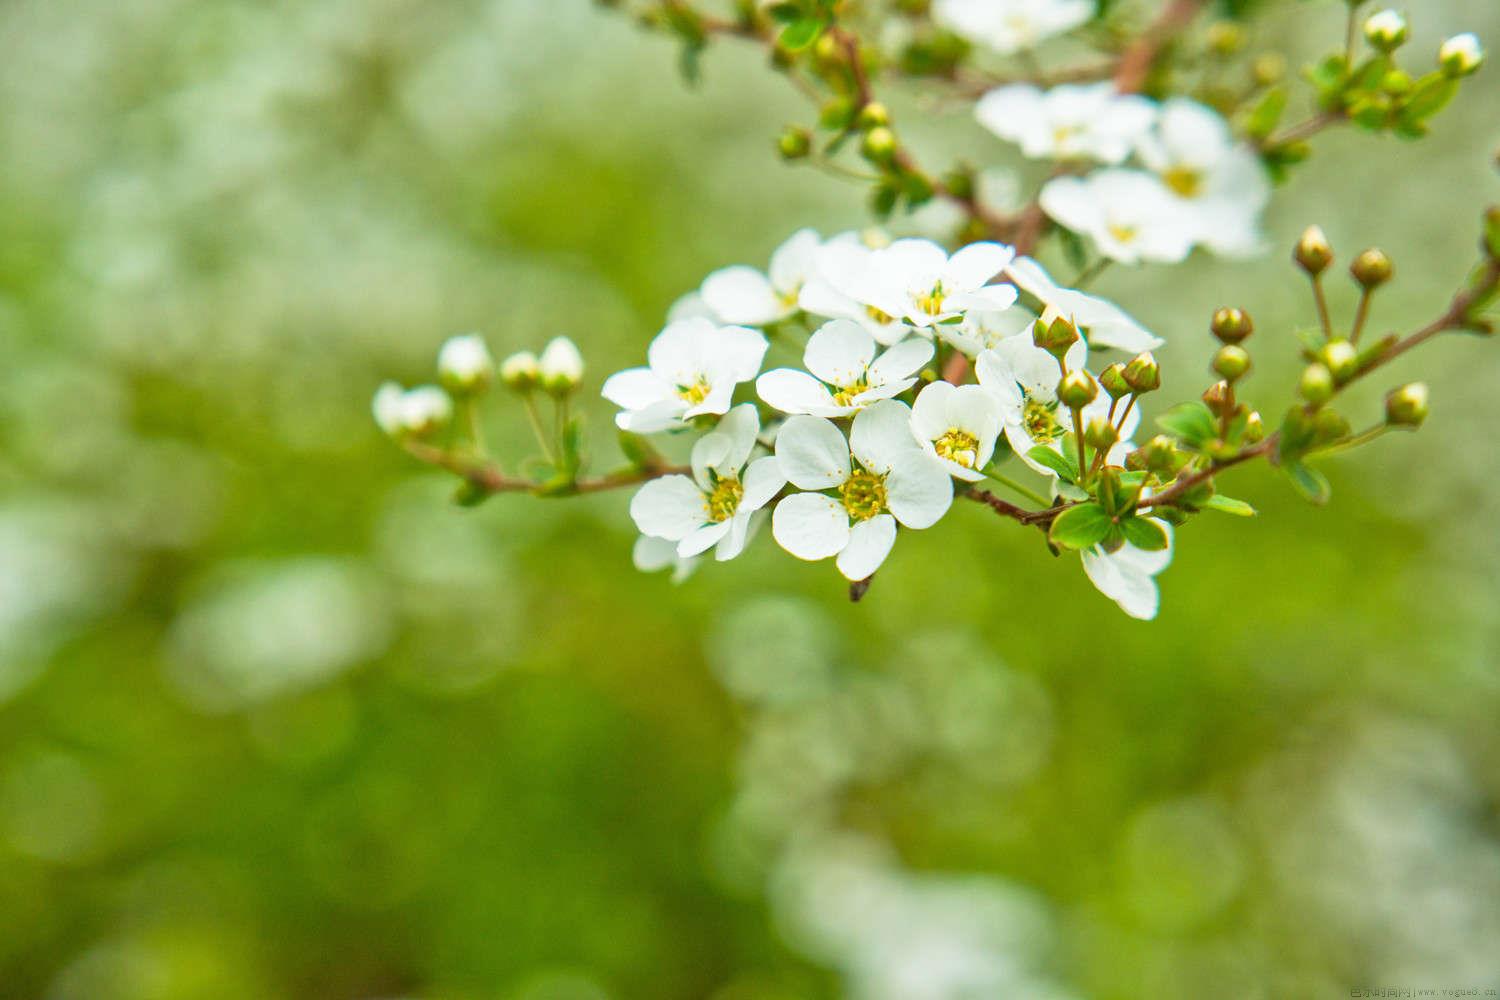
x,y
1144,533
1267,114
1071,491
800,34
1192,422
1080,527
1064,465
1311,483
1229,505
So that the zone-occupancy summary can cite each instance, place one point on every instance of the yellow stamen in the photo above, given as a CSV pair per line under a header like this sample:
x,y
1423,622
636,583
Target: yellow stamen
x,y
724,500
1184,180
695,393
1040,421
863,494
958,446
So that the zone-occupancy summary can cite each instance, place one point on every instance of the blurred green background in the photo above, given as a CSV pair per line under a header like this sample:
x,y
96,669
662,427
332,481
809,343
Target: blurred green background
x,y
277,721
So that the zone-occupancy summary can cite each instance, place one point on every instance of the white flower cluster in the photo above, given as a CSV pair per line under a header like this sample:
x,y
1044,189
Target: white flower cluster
x,y
845,461
1192,183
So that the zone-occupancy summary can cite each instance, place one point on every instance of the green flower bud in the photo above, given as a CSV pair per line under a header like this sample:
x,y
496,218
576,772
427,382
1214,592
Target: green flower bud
x,y
1113,380
1255,428
1491,242
1406,406
1054,337
1371,269
1077,389
1316,384
1232,326
1387,30
1268,68
1461,55
1341,358
1218,397
1143,374
1225,38
879,145
521,372
465,367
425,410
873,115
1313,253
1330,425
795,143
1100,434
561,366
1231,362
1161,455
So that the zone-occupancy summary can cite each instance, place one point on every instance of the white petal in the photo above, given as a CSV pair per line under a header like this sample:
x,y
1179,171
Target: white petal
x,y
742,295
901,361
737,352
708,453
929,414
720,395
652,554
740,426
813,453
733,543
702,538
881,436
810,526
919,491
839,352
691,306
976,264
763,480
1135,593
635,388
990,298
662,416
679,354
792,391
869,543
669,507
793,261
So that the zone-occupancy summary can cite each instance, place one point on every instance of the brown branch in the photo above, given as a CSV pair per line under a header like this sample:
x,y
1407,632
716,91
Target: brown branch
x,y
487,477
1136,62
1303,130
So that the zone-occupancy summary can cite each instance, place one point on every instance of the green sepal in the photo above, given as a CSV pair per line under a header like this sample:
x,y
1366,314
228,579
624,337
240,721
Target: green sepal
x,y
1080,527
800,34
1145,533
1311,483
1059,462
1228,505
470,494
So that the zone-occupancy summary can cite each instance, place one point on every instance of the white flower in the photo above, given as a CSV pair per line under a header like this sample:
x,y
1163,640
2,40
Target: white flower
x,y
957,425
984,328
465,364
1104,323
561,366
1386,29
693,368
714,508
1069,122
651,554
521,371
1023,380
422,410
1129,214
1011,25
840,263
916,281
1127,576
1219,182
388,407
1461,54
691,306
745,296
893,481
849,376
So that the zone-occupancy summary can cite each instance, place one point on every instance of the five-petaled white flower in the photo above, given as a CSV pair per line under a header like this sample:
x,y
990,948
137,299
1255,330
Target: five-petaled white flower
x,y
743,295
917,282
1219,182
1023,380
846,257
1072,121
984,328
1127,576
693,367
1012,25
957,425
846,374
715,506
1129,214
891,479
1104,323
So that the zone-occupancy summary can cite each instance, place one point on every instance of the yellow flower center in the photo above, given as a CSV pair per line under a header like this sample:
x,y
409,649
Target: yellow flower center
x,y
1040,421
931,302
863,494
695,393
958,446
1062,135
724,500
789,298
878,316
1124,234
845,396
1184,180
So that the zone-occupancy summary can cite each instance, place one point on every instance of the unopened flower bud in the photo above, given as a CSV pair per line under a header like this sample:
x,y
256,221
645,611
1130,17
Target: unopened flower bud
x,y
1407,406
425,410
521,371
879,145
1225,38
1331,425
1255,428
388,407
1387,30
561,366
1100,434
1161,454
1313,253
1077,389
795,143
465,366
1054,335
1316,384
1113,381
1268,68
1143,374
873,115
1371,269
1231,362
1461,55
1218,397
1232,325
1341,358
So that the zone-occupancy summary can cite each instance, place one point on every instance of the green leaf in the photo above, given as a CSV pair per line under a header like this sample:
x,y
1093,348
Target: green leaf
x,y
1071,491
1080,527
1267,114
800,34
1311,483
1229,505
1064,465
1192,422
1144,533
1431,95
